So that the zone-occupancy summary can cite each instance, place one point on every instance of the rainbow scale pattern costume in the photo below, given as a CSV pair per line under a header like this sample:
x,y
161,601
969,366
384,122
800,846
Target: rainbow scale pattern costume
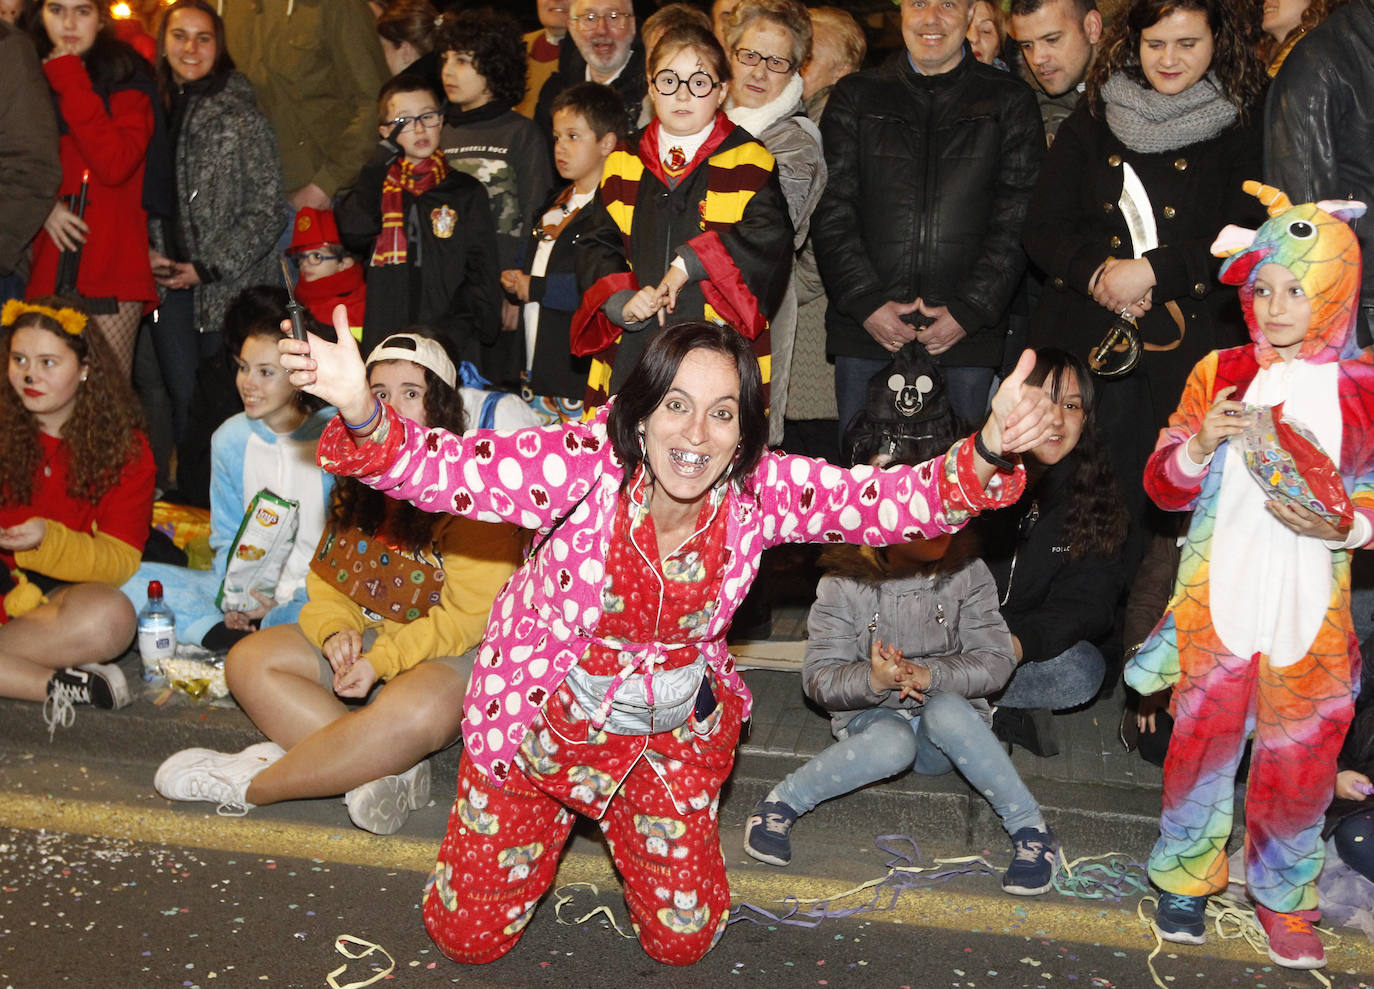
x,y
1258,636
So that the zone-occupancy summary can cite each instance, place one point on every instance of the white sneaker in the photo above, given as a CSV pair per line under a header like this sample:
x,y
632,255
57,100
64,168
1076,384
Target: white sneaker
x,y
220,778
383,805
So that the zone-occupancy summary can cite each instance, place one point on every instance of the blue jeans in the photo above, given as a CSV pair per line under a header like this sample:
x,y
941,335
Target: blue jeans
x,y
881,743
1355,843
1068,680
969,389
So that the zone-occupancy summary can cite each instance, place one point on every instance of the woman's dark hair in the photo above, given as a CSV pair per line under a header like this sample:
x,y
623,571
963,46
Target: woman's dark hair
x,y
109,62
653,375
1097,515
355,504
497,47
409,20
934,437
258,311
224,63
679,37
1235,26
101,431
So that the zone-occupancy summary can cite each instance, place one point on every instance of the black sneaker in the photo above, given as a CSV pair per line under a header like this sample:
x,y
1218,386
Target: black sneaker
x,y
768,832
1032,728
1182,918
97,684
1035,855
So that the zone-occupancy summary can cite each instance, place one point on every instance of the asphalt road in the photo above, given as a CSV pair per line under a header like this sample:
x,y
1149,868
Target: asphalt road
x,y
104,884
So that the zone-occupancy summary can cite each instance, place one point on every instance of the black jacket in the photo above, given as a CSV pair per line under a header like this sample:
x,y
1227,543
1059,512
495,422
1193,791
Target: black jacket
x,y
450,283
930,177
553,368
1074,224
631,85
1049,600
1319,123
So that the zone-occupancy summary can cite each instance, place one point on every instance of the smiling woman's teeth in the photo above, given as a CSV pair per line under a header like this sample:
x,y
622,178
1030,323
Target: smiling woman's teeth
x,y
690,459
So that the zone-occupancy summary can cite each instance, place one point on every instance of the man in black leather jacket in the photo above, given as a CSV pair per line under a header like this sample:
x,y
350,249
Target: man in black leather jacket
x,y
932,158
1319,127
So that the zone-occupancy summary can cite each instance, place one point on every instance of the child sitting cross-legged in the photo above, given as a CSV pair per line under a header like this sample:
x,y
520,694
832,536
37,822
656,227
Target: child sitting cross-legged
x,y
416,628
904,643
1270,449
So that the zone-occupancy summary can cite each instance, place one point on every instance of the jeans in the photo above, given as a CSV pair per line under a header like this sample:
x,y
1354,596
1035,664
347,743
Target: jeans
x,y
880,743
852,375
1068,680
1354,839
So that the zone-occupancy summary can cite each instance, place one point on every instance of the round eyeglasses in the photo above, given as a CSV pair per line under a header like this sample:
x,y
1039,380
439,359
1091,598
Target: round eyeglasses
x,y
699,84
751,58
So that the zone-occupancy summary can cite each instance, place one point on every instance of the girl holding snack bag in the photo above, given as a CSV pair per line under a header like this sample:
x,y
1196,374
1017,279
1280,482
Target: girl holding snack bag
x,y
1271,450
263,480
359,628
76,496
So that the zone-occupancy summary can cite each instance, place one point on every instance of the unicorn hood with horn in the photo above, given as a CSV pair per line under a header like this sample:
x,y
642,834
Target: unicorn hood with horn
x,y
1315,242
1258,634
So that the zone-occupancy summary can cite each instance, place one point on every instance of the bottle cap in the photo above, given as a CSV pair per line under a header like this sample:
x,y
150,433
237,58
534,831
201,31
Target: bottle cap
x,y
154,588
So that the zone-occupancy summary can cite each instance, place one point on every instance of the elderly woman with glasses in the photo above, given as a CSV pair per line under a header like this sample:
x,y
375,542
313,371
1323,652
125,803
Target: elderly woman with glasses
x,y
768,42
691,222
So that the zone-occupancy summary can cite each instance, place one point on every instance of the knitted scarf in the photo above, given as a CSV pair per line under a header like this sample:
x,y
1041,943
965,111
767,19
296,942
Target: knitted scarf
x,y
1148,121
403,177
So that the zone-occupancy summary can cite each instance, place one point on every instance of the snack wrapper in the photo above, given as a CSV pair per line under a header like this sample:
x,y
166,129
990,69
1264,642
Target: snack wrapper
x,y
1286,460
259,551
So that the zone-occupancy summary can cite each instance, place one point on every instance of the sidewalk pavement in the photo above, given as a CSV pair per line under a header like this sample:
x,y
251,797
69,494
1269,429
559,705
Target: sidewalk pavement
x,y
1095,796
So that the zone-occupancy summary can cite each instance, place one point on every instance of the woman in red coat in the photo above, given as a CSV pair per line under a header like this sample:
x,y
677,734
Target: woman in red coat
x,y
103,93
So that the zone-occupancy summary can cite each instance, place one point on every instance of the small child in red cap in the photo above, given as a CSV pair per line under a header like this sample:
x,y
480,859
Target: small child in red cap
x,y
328,273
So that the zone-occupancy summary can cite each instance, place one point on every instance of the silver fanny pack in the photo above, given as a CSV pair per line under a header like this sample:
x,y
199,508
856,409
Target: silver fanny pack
x,y
675,695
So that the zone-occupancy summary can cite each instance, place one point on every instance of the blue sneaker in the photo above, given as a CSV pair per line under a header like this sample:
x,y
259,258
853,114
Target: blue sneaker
x,y
767,834
1182,919
1035,855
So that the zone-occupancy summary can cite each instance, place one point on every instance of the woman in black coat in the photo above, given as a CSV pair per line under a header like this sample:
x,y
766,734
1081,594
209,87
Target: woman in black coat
x,y
1166,135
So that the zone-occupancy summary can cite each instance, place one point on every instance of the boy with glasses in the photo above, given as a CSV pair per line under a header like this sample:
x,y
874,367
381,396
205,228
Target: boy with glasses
x,y
426,227
328,275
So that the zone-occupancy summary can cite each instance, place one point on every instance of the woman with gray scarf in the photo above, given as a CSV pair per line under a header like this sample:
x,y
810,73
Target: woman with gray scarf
x,y
1139,181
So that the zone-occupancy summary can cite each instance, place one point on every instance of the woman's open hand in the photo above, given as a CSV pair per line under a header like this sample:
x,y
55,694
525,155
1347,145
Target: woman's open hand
x,y
67,230
333,372
24,536
1305,522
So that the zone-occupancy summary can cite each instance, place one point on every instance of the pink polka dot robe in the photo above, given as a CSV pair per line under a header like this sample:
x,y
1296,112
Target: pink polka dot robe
x,y
545,618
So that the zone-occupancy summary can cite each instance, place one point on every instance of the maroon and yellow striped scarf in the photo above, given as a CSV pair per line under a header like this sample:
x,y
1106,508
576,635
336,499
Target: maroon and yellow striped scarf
x,y
403,177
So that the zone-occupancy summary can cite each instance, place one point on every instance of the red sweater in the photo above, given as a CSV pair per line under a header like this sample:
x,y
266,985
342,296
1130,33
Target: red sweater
x,y
86,541
113,144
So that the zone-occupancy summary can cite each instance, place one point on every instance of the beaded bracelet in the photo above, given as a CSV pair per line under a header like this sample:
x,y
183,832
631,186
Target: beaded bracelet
x,y
362,428
996,459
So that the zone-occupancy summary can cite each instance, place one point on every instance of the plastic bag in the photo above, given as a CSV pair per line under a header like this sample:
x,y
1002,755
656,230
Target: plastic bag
x,y
259,551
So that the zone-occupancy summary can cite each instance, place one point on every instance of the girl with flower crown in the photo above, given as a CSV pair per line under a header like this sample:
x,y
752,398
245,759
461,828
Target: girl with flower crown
x,y
74,445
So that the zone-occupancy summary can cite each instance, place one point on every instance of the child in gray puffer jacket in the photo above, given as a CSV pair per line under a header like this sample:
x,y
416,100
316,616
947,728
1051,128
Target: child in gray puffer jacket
x,y
904,643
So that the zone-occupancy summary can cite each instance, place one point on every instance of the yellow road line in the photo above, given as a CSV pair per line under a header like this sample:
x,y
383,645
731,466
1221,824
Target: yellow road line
x,y
1104,923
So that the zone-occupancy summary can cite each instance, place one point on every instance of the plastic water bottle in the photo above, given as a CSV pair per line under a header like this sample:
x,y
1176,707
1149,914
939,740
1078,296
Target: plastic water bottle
x,y
157,632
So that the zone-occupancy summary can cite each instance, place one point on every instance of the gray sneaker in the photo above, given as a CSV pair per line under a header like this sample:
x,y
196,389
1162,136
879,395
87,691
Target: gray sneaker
x,y
220,778
382,806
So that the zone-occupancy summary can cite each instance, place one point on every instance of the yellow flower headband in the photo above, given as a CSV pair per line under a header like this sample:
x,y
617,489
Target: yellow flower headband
x,y
70,320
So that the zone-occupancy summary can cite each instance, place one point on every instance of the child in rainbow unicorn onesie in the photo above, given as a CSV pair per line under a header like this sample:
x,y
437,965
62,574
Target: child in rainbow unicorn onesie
x,y
1258,635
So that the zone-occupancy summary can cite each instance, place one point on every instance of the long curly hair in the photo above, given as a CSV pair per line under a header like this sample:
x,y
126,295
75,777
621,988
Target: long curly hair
x,y
1235,26
1097,515
355,504
497,47
102,433
1316,12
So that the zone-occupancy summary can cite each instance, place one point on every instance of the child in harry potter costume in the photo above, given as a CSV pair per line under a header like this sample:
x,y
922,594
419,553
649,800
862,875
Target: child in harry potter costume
x,y
329,276
691,222
426,226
